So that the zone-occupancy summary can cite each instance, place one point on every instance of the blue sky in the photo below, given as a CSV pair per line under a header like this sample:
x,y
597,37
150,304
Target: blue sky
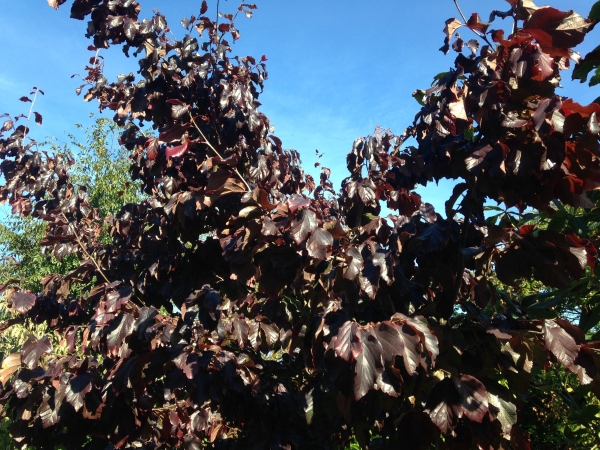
x,y
336,68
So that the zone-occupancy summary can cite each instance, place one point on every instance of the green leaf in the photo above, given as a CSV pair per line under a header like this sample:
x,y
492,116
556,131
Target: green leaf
x,y
595,80
595,11
419,96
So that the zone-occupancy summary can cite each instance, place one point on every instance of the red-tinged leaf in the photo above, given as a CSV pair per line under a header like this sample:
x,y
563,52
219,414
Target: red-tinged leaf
x,y
264,58
560,343
396,341
303,227
38,118
590,248
557,29
173,134
116,338
25,99
116,299
174,152
355,263
346,343
7,125
369,364
297,201
151,146
475,23
33,350
429,340
23,302
543,68
224,27
451,26
319,244
569,107
443,406
204,7
240,331
474,397
76,389
453,398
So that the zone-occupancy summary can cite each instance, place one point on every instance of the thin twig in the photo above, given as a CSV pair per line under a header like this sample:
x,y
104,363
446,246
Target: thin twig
x,y
217,153
82,247
482,36
29,115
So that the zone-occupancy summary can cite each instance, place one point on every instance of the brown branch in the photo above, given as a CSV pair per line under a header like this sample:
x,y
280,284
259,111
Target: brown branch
x,y
217,153
82,247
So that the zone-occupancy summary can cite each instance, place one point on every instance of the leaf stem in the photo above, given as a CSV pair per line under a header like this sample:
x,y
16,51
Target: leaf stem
x,y
216,152
481,35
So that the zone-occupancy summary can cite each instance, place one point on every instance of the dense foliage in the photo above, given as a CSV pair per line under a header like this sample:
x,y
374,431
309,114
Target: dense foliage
x,y
306,322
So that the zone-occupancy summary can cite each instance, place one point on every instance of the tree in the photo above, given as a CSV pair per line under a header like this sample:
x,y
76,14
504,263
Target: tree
x,y
302,322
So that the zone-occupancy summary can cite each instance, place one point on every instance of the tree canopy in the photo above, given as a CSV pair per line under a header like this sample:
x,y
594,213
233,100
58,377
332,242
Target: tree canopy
x,y
303,318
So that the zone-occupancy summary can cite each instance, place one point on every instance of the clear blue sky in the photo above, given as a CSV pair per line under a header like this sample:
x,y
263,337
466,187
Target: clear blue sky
x,y
336,68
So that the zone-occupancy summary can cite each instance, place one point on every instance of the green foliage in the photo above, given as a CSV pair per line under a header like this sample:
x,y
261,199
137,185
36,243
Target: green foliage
x,y
102,166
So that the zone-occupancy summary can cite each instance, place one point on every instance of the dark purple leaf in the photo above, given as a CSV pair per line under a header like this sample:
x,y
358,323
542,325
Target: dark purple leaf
x,y
76,389
116,338
369,364
33,349
346,343
319,244
303,227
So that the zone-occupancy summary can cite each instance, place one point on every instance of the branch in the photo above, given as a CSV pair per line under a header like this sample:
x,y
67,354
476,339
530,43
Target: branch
x,y
482,36
216,152
29,115
82,247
